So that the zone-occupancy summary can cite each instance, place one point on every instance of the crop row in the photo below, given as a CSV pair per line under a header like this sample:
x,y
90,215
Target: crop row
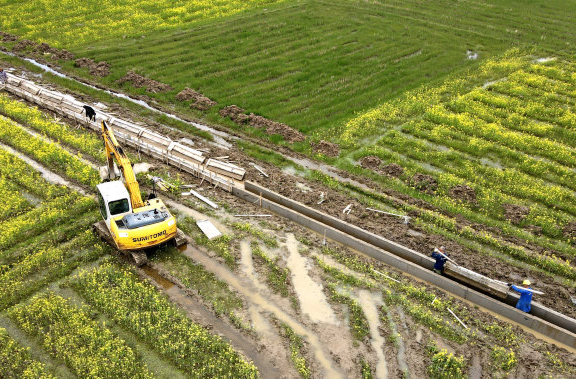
x,y
43,217
69,333
23,175
86,143
13,203
138,307
22,278
50,154
16,361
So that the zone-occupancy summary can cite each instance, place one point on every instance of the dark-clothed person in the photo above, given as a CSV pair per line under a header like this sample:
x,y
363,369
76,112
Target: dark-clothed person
x,y
441,259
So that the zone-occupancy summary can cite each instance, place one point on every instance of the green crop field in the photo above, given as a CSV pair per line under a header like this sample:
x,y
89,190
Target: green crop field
x,y
459,114
310,64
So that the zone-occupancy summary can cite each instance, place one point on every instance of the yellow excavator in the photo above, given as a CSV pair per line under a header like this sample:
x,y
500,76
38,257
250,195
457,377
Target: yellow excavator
x,y
130,224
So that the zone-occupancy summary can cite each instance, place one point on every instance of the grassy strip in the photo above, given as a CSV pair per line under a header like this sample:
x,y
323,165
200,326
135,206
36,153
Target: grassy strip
x,y
246,227
16,362
359,327
66,230
297,350
50,154
278,278
70,334
195,277
87,143
138,307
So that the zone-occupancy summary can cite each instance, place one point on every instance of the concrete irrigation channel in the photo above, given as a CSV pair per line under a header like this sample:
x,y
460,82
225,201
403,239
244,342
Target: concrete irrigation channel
x,y
230,178
542,320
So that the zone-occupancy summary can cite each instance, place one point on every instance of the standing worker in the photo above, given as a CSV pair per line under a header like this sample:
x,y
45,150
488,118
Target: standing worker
x,y
525,296
441,259
3,76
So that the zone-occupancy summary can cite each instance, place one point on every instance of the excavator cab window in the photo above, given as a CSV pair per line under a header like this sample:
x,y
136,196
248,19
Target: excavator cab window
x,y
118,206
102,206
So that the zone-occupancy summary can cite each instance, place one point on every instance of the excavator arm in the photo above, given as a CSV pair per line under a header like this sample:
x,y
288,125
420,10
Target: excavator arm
x,y
114,150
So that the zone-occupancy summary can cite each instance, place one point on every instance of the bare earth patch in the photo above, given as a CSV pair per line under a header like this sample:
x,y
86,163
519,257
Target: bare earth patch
x,y
371,162
515,213
138,81
7,37
327,148
424,183
200,102
23,44
570,230
464,193
393,169
237,115
99,69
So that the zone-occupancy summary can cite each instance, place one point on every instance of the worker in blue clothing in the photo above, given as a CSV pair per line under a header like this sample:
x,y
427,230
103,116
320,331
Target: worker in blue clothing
x,y
441,259
525,296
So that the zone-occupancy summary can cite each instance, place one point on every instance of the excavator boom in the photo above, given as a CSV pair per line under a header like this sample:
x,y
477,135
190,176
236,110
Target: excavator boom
x,y
114,150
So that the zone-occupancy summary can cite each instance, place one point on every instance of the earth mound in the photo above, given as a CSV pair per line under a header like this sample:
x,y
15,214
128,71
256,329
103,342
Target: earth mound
x,y
464,193
99,69
327,148
515,213
200,102
423,182
139,81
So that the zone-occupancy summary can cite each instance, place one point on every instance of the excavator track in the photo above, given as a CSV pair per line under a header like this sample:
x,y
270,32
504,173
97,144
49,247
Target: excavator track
x,y
139,257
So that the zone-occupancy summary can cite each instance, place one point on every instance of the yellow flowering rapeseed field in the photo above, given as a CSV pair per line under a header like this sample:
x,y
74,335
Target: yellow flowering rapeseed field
x,y
70,23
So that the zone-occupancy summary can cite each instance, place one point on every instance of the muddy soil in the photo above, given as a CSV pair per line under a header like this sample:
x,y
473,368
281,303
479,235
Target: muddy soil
x,y
515,213
7,37
393,169
371,162
99,69
138,81
464,193
570,230
237,115
327,148
200,102
424,183
23,44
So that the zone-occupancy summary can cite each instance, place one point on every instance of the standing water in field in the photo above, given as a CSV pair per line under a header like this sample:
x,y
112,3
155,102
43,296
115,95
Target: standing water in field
x,y
310,293
369,302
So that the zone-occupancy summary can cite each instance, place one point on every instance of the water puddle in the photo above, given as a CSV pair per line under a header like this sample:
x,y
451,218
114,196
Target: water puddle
x,y
310,293
166,284
369,302
46,174
244,287
247,265
401,354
